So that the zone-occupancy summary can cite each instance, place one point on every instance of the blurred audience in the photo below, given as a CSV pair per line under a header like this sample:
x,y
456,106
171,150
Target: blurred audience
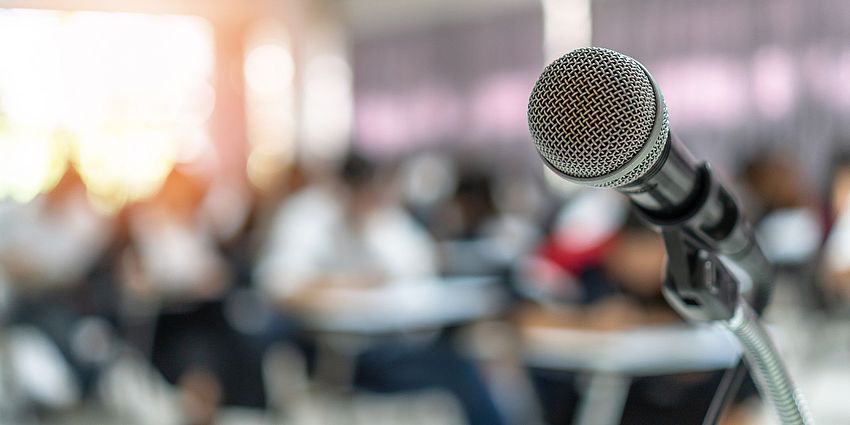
x,y
206,276
351,231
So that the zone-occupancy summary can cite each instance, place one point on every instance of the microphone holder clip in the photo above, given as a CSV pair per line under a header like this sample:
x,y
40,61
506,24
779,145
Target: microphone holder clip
x,y
698,285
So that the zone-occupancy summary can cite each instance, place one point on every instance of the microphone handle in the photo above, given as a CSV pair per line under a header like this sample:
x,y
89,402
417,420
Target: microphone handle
x,y
679,192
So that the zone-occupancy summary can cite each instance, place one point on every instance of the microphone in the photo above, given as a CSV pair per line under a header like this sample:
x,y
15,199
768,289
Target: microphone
x,y
598,119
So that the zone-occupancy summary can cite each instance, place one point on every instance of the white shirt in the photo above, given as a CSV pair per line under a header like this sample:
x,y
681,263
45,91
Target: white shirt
x,y
178,256
62,242
310,238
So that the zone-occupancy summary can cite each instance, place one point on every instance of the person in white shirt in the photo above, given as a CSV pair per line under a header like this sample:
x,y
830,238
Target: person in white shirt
x,y
51,242
351,231
354,232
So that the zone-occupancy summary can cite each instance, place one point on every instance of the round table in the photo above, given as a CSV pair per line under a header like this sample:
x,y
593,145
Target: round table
x,y
404,305
345,319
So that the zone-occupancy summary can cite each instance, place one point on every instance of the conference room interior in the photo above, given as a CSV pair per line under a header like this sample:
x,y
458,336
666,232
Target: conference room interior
x,y
332,212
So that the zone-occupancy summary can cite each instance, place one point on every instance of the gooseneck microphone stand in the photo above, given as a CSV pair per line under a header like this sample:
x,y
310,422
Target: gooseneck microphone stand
x,y
702,289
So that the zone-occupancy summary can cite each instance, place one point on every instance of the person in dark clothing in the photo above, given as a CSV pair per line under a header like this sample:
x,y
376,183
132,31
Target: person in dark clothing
x,y
396,367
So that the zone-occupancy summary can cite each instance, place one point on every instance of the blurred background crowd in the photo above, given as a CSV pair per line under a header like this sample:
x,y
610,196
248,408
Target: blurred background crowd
x,y
331,212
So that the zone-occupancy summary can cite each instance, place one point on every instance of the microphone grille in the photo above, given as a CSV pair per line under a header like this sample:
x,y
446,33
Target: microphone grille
x,y
592,114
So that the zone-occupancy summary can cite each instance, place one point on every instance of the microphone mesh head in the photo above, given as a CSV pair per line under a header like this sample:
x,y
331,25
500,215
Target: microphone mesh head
x,y
592,114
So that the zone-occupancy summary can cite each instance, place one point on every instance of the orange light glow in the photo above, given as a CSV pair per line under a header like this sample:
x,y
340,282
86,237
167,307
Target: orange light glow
x,y
270,102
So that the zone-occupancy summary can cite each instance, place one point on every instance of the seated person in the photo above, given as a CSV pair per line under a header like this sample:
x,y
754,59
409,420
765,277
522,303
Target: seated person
x,y
836,251
55,250
176,281
788,222
352,232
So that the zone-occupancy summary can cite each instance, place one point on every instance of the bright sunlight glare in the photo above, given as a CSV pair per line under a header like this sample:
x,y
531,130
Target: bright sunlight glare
x,y
114,94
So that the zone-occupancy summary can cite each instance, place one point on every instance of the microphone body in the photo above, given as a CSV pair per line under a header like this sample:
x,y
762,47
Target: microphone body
x,y
598,119
679,191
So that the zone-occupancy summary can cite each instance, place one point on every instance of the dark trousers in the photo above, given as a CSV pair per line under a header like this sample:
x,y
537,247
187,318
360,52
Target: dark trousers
x,y
658,400
397,366
199,337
